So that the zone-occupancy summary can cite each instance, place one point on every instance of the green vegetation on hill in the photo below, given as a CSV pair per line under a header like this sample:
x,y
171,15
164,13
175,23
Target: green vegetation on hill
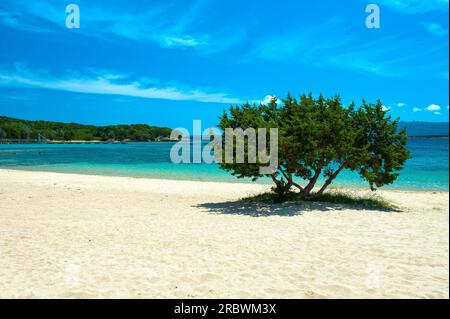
x,y
11,128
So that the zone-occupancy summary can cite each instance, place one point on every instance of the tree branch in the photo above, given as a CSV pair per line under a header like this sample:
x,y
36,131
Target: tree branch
x,y
312,182
330,179
275,180
297,185
290,179
284,174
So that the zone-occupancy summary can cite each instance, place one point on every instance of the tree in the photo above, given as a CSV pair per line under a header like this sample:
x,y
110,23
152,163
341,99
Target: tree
x,y
2,134
320,138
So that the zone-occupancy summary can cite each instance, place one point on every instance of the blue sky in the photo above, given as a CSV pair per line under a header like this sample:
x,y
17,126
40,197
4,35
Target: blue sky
x,y
169,62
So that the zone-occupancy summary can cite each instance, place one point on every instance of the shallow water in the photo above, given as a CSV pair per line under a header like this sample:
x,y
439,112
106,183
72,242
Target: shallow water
x,y
428,169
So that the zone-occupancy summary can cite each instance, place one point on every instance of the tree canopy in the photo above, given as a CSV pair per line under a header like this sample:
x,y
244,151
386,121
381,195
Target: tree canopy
x,y
319,137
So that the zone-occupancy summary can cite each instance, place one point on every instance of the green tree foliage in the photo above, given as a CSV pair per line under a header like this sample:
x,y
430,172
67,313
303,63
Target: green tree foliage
x,y
384,143
248,116
20,129
318,139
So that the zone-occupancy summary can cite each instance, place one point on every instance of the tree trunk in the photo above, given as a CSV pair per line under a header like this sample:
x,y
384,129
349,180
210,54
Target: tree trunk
x,y
330,180
288,177
297,185
312,183
276,181
281,188
290,180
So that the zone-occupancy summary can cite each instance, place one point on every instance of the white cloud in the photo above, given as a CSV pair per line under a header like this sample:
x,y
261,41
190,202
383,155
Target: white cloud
x,y
330,44
184,41
311,45
436,29
401,104
167,24
416,109
433,107
437,113
416,6
385,108
268,99
107,83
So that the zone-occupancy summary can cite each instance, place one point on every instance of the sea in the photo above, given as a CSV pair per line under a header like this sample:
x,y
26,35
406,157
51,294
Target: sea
x,y
426,170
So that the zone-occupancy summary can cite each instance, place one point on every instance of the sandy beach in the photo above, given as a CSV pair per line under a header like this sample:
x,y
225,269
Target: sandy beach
x,y
77,236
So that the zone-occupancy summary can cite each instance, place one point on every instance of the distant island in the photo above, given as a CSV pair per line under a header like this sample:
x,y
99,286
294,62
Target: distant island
x,y
16,129
425,129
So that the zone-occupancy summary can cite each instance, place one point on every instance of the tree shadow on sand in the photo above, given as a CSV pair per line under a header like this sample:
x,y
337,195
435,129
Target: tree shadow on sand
x,y
242,207
263,205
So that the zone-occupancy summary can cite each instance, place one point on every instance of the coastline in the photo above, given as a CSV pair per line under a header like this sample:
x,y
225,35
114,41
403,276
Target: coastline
x,y
88,236
338,185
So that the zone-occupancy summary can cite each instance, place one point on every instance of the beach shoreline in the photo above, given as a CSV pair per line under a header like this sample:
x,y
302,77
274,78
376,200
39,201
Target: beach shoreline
x,y
89,236
265,185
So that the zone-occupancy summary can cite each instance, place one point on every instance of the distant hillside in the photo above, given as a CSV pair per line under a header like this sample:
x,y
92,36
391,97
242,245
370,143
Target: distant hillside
x,y
11,128
426,128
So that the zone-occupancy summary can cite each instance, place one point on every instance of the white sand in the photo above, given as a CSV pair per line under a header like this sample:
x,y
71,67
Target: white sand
x,y
76,236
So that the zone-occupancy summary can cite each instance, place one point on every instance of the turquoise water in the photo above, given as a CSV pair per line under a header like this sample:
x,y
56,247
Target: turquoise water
x,y
428,169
